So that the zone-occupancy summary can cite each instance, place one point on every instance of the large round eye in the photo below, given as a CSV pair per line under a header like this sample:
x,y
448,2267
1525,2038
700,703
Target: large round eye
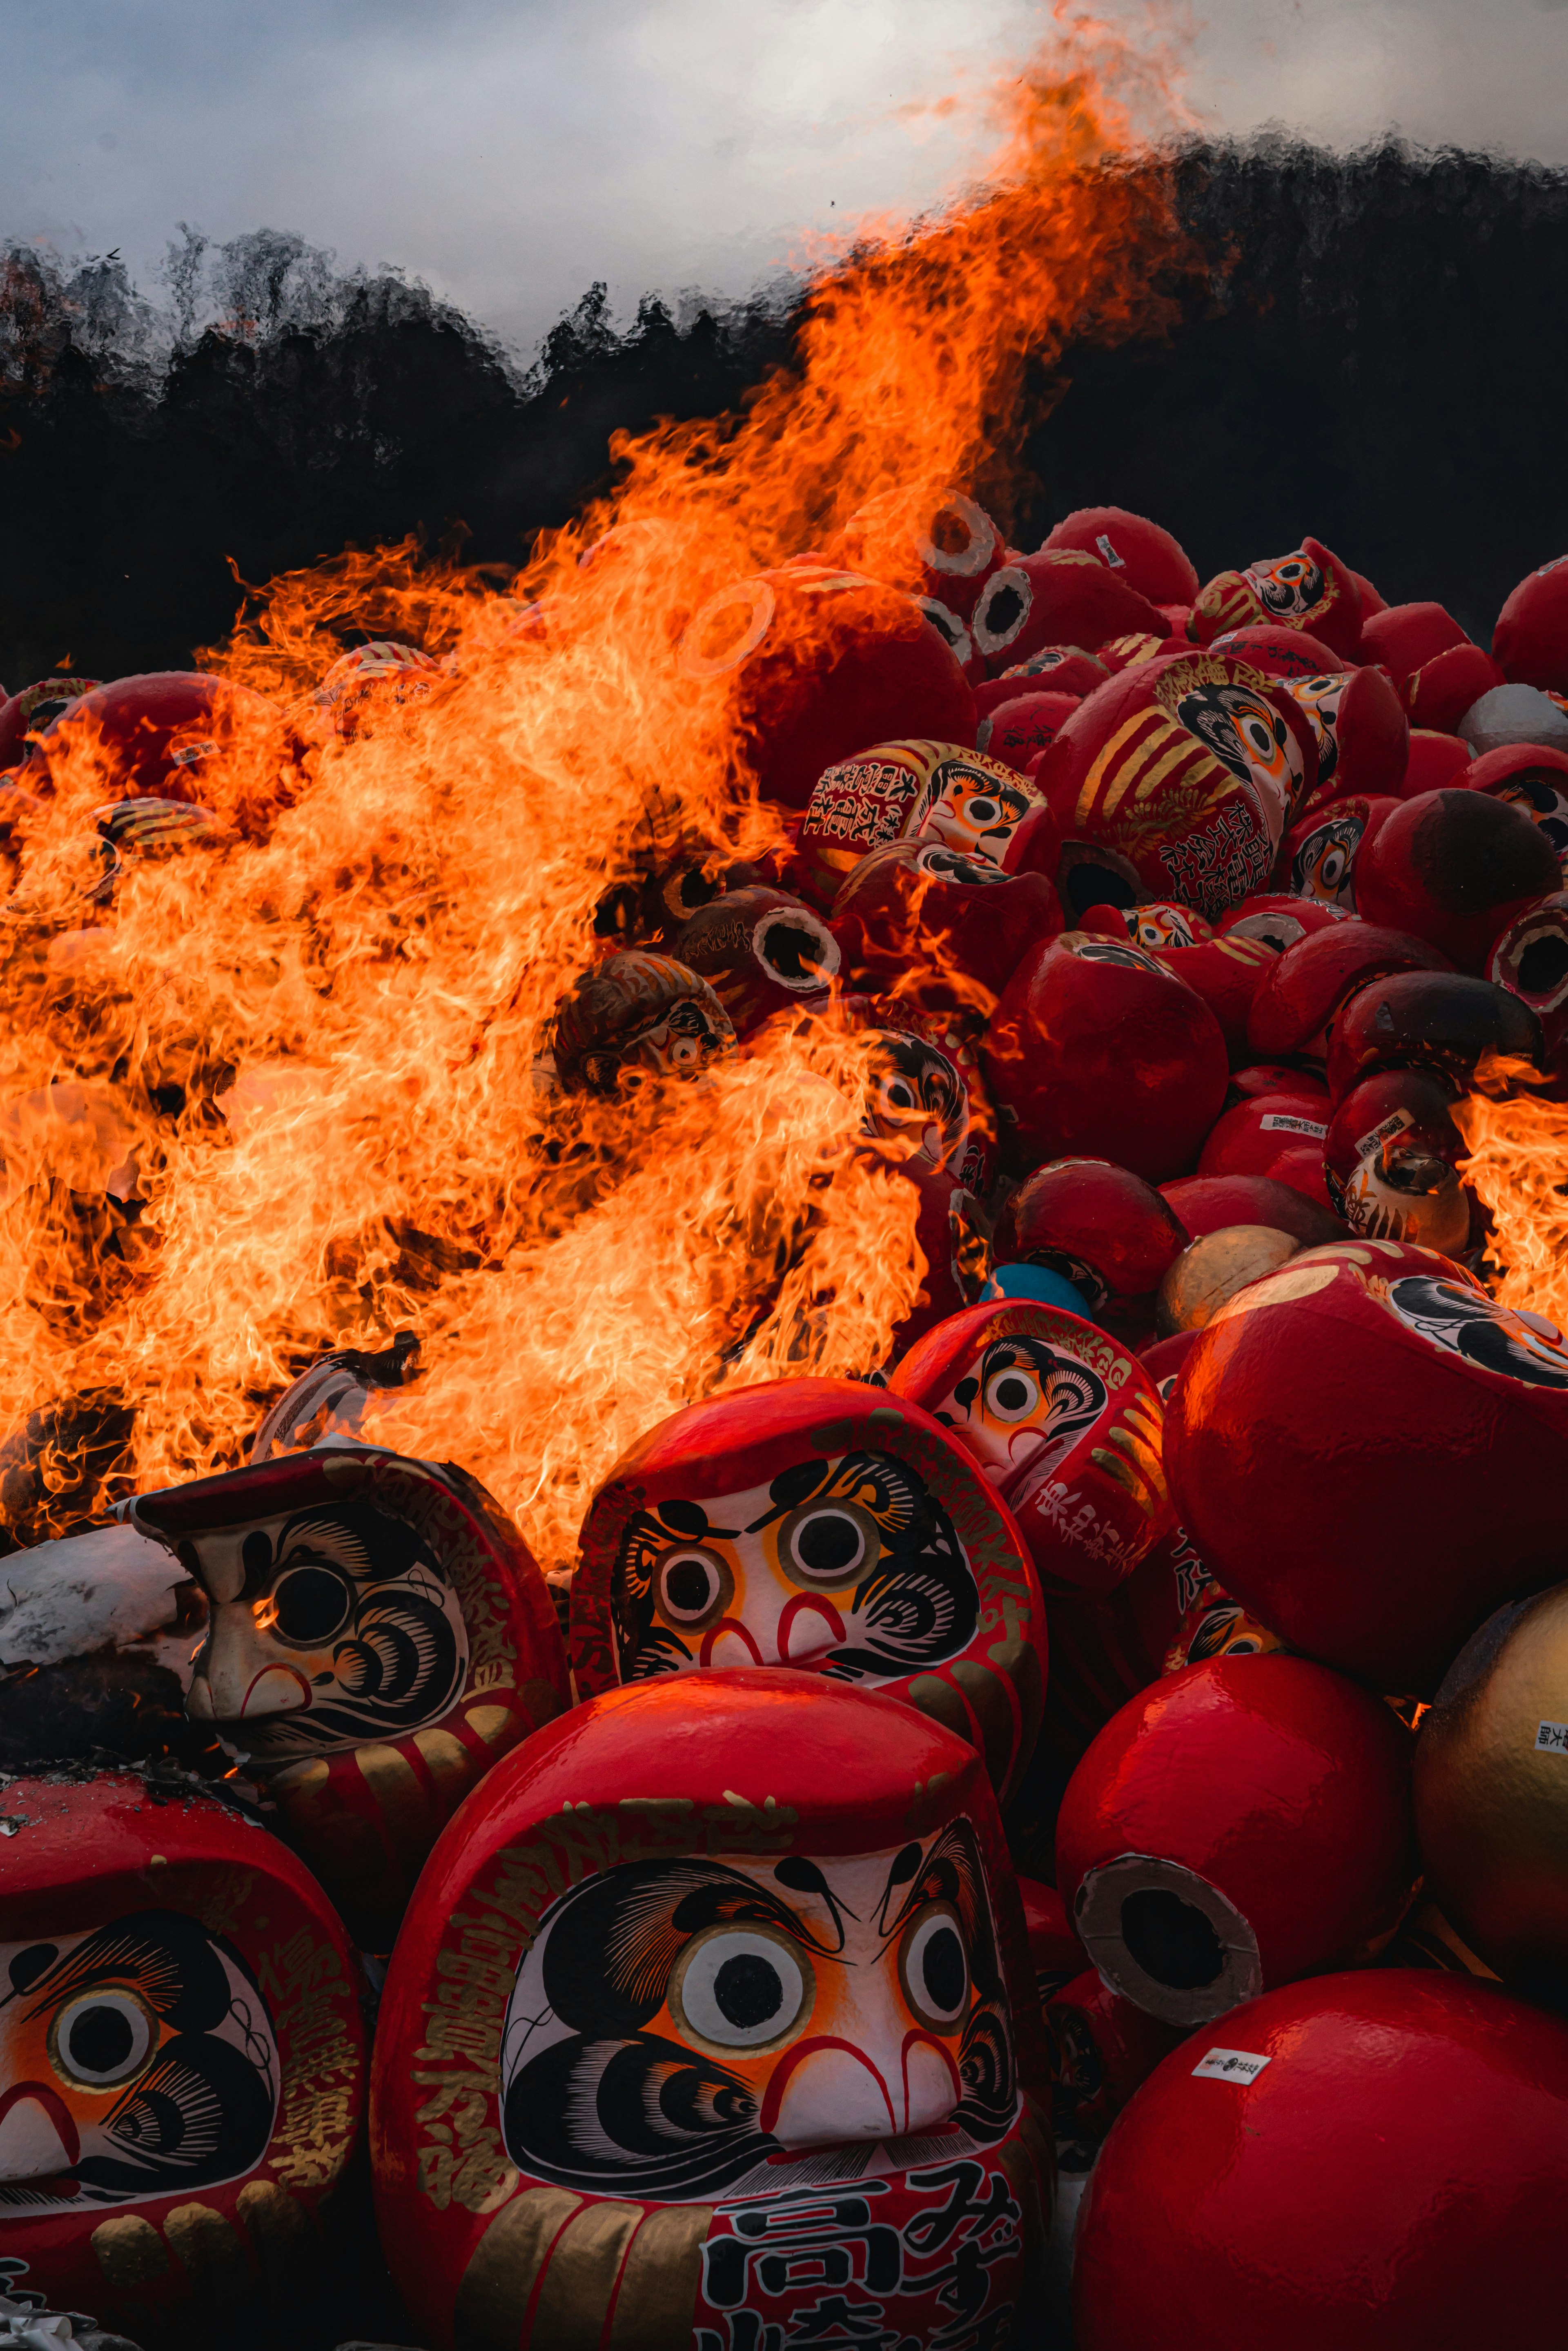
x,y
1012,1394
1335,865
742,1986
693,1585
311,1604
934,1968
829,1543
99,2039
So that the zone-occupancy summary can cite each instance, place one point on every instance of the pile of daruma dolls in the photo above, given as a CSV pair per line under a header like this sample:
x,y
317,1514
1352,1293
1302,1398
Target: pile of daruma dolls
x,y
1113,1755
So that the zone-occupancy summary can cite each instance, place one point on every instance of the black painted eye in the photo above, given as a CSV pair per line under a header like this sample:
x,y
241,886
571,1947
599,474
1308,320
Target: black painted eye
x,y
742,1987
1011,1394
311,1604
934,1968
101,2038
693,1585
829,1544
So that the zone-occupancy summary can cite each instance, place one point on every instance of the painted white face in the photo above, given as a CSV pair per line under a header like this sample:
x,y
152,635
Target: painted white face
x,y
328,1626
679,2026
136,2059
853,1570
1021,1402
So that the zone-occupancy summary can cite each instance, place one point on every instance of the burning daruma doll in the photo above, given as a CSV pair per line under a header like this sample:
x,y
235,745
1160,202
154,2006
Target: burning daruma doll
x,y
707,2030
378,1633
825,1525
182,2063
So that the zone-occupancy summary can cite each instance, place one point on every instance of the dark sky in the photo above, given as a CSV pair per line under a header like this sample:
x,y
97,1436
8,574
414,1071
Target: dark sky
x,y
509,152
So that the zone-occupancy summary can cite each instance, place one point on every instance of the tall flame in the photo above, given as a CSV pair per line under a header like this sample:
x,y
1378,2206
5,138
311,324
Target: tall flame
x,y
308,1048
1518,1165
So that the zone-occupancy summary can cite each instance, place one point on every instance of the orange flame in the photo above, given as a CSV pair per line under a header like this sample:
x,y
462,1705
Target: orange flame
x,y
312,1044
1517,1166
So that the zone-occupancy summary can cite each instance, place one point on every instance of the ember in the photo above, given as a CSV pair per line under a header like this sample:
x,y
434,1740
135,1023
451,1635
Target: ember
x,y
714,1263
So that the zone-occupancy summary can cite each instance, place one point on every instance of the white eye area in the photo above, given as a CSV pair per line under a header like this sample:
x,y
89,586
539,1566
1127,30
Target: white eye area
x,y
1012,1394
935,1967
827,1546
901,1097
742,1986
691,1585
101,2038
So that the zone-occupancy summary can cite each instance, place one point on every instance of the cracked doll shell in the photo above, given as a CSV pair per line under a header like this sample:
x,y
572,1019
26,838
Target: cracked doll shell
x,y
776,1917
1066,1425
378,1633
1337,1443
1237,1825
182,2061
824,1525
1182,775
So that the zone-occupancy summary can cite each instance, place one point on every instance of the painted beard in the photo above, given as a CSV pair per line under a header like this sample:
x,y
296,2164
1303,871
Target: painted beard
x,y
851,1567
330,1627
136,2059
681,2029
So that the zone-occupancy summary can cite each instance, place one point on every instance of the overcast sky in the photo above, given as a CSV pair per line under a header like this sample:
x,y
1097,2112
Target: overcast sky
x,y
509,152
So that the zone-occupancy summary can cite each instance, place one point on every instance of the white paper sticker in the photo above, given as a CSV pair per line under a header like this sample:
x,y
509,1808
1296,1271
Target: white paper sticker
x,y
1394,1124
1552,1739
1228,2065
1274,1122
1109,553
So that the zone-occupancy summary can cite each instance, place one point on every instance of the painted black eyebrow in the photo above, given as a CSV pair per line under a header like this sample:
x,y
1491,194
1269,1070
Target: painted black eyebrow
x,y
905,1864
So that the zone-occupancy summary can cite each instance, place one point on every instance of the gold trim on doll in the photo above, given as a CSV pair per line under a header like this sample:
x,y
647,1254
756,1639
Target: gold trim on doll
x,y
136,2059
679,2026
849,1566
329,1626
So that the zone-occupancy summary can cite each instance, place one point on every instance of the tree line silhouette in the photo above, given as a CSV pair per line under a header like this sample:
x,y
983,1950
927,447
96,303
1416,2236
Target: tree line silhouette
x,y
1372,354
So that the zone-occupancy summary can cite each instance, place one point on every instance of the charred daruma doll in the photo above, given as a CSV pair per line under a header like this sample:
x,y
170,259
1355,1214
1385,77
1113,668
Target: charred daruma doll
x,y
825,1525
707,2030
181,2065
378,1634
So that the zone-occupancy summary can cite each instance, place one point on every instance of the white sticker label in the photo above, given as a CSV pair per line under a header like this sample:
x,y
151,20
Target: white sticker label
x,y
1275,1120
1109,554
1552,1739
1228,2065
1394,1124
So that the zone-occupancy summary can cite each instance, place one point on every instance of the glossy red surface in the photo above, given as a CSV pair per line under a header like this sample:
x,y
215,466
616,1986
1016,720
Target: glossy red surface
x,y
1454,867
1025,726
1283,1786
1056,598
1249,1139
272,2070
1282,653
1442,1020
982,1669
1206,1203
1098,1050
1391,2181
678,1784
1355,1480
1310,588
1439,693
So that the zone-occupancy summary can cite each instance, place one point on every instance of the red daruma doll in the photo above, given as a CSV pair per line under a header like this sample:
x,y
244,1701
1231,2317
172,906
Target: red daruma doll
x,y
821,1524
181,2065
707,2030
378,1634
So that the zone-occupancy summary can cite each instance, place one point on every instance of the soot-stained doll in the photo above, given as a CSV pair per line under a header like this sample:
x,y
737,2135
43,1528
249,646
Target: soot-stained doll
x,y
712,2030
182,2063
824,1525
378,1633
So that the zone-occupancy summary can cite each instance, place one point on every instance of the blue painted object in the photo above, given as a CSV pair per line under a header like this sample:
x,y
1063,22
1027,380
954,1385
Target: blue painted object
x,y
1037,1281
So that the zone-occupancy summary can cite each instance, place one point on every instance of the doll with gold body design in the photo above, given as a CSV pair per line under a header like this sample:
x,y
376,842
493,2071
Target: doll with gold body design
x,y
378,1633
824,1525
182,2066
713,2016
